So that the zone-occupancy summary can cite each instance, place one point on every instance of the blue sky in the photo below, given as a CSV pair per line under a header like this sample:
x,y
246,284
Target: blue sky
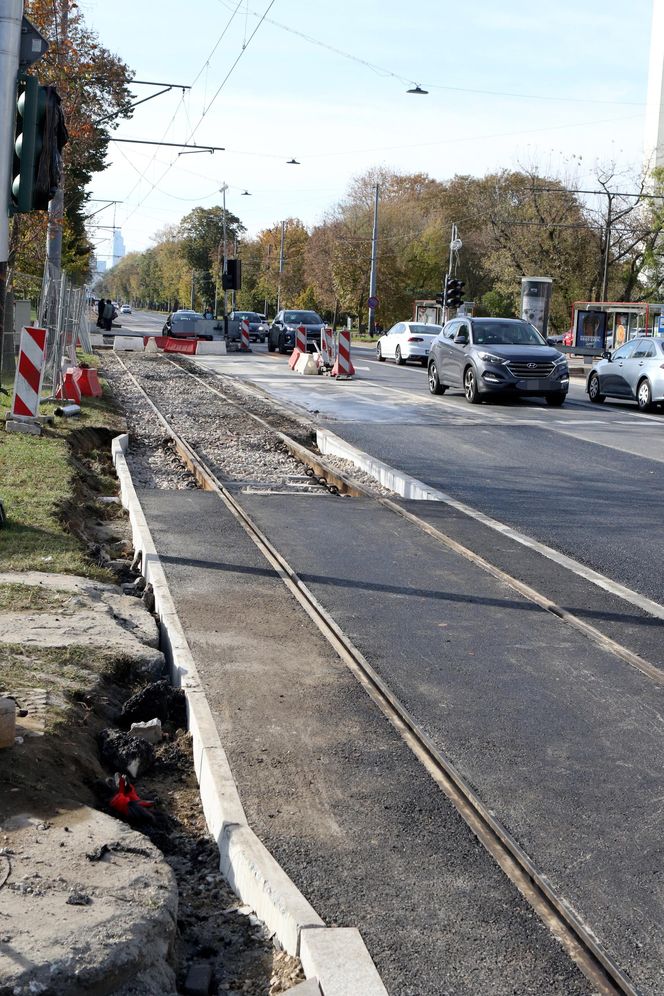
x,y
561,88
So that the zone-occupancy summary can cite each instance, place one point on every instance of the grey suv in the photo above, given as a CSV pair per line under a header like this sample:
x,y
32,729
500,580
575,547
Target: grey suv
x,y
282,331
485,356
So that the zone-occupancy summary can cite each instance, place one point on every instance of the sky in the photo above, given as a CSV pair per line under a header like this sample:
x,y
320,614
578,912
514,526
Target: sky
x,y
560,87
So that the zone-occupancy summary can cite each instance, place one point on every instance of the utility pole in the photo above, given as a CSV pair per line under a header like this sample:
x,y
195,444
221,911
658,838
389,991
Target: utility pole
x,y
223,189
455,245
374,263
281,264
11,15
607,246
233,292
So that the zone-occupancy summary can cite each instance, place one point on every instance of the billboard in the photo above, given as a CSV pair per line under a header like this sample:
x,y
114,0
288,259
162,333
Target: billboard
x,y
590,330
535,301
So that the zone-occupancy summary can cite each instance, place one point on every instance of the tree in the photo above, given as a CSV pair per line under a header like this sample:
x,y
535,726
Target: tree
x,y
201,237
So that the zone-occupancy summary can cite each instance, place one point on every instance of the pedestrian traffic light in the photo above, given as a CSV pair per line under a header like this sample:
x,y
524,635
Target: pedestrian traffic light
x,y
440,299
28,142
232,278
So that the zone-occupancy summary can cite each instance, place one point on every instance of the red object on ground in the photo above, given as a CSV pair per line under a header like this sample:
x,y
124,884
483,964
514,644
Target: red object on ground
x,y
294,357
70,390
88,381
172,345
125,796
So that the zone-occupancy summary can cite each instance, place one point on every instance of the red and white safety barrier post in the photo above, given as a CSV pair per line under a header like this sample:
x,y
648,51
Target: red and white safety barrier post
x,y
327,346
300,346
343,366
244,336
29,374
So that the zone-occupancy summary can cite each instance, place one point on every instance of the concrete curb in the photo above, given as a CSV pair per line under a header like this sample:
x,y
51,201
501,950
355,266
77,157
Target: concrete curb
x,y
402,484
336,957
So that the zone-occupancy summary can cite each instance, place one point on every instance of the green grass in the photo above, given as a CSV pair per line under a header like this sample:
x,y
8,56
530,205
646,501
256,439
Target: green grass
x,y
37,480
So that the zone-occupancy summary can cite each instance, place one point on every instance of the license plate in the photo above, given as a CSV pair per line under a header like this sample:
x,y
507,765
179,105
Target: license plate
x,y
530,385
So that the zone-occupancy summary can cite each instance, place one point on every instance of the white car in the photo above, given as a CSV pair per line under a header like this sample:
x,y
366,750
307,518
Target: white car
x,y
125,310
407,341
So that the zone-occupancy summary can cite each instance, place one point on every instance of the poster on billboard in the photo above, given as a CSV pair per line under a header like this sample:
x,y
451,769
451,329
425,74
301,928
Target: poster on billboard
x,y
535,301
591,330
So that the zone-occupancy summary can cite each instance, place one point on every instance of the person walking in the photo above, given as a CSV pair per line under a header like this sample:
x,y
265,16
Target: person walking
x,y
100,312
108,315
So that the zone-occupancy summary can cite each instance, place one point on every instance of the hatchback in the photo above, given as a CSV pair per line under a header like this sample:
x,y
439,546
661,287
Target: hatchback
x,y
633,372
491,356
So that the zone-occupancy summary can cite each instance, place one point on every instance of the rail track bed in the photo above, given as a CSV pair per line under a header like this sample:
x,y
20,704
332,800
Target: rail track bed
x,y
504,716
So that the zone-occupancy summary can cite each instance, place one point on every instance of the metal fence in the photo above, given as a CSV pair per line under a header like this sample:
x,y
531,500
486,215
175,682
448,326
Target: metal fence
x,y
63,310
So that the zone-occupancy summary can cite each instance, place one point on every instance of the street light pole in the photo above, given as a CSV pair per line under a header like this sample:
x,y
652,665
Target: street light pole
x,y
374,263
223,189
281,264
11,16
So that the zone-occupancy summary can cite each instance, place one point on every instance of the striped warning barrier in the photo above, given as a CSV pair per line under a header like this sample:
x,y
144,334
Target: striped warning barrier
x,y
301,338
327,346
29,373
343,366
244,336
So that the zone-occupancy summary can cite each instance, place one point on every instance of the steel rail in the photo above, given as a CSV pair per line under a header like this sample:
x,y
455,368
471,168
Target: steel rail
x,y
576,937
345,485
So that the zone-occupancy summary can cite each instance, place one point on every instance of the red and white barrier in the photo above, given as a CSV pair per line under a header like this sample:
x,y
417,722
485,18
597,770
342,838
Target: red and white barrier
x,y
244,336
29,373
327,349
301,338
343,366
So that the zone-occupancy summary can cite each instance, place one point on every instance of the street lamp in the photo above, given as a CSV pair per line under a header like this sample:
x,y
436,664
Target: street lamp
x,y
417,89
292,162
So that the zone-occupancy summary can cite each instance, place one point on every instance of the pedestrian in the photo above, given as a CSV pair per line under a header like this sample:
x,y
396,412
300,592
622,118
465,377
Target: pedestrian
x,y
108,315
100,312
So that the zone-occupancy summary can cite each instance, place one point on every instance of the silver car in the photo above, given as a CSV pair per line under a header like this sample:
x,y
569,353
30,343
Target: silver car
x,y
491,356
634,372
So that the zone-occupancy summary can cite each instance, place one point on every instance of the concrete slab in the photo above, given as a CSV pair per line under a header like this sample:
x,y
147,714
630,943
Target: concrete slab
x,y
327,955
329,786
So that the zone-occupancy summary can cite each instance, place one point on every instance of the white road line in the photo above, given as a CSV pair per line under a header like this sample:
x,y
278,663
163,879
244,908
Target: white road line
x,y
409,487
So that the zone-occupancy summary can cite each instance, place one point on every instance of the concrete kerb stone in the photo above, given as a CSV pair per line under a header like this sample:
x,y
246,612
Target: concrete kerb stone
x,y
338,958
129,342
402,484
342,962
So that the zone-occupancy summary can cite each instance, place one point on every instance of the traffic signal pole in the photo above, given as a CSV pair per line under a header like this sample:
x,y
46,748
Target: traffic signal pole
x,y
374,263
11,15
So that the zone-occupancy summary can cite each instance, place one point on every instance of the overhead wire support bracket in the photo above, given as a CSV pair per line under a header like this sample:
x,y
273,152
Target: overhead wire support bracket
x,y
166,88
176,145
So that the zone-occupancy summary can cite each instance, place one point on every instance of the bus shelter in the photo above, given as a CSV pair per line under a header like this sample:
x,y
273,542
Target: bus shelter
x,y
600,325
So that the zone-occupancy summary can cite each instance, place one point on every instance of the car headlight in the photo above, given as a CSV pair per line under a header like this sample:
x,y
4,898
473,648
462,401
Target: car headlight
x,y
559,362
491,358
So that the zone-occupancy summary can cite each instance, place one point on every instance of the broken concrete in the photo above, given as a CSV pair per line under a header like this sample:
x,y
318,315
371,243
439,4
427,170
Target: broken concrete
x,y
72,925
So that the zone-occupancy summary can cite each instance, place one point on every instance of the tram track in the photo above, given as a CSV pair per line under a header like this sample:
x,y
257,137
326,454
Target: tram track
x,y
576,937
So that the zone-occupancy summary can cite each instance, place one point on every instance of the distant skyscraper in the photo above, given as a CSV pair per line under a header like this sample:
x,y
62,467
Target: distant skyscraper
x,y
654,129
118,246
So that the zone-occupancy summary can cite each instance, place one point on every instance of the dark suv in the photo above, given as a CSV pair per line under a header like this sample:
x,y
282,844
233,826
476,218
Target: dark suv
x,y
486,356
282,331
255,320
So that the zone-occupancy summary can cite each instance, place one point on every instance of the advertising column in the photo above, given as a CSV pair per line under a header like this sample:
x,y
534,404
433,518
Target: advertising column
x,y
536,300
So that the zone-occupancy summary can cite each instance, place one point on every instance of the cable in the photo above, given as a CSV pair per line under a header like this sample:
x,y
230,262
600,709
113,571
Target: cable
x,y
382,71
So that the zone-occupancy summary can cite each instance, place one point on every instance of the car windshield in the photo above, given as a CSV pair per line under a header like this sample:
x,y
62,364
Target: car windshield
x,y
251,316
427,329
508,333
303,317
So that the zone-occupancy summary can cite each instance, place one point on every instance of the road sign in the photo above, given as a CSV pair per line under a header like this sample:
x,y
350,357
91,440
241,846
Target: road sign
x,y
373,302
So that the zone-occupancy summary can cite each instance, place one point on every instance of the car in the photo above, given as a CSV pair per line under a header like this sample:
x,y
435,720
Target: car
x,y
492,356
257,326
125,309
407,341
182,324
282,330
633,372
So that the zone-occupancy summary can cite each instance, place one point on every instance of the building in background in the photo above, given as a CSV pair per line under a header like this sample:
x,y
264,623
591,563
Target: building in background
x,y
654,123
118,247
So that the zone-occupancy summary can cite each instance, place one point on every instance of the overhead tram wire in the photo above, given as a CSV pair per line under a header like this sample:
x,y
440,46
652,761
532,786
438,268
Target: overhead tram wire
x,y
383,71
206,109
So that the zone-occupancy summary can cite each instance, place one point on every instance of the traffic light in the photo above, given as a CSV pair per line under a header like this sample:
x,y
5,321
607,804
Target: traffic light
x,y
232,278
40,136
28,142
440,299
454,290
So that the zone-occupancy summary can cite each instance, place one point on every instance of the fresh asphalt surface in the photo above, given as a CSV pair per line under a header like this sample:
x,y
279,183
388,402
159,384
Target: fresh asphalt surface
x,y
561,740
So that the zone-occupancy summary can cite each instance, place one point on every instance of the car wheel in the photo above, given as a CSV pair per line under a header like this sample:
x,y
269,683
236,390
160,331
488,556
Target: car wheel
x,y
556,399
398,357
282,345
594,392
470,386
644,395
434,384
270,345
379,354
